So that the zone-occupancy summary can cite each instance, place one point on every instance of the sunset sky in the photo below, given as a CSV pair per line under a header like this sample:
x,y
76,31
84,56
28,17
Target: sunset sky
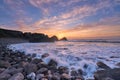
x,y
74,19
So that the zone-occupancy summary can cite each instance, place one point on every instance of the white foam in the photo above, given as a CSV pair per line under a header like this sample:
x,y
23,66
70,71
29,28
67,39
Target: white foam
x,y
74,54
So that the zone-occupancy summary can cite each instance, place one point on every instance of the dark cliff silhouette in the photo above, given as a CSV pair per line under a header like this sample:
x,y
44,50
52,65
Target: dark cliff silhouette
x,y
63,39
31,37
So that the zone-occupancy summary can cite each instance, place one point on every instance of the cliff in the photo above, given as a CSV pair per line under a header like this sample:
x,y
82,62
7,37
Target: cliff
x,y
31,37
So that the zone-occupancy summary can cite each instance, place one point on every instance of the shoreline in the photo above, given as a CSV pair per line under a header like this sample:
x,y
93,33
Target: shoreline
x,y
27,67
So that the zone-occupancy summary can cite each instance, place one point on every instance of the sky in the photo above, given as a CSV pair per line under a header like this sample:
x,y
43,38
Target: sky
x,y
74,19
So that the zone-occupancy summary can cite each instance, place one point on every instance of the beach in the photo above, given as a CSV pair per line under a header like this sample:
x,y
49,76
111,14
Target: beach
x,y
17,65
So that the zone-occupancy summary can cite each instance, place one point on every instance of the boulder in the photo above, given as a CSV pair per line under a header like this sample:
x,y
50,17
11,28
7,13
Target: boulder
x,y
42,71
80,72
118,64
102,65
36,61
1,70
31,76
52,63
4,76
39,76
30,67
13,70
4,64
42,65
110,73
63,69
65,76
18,76
45,55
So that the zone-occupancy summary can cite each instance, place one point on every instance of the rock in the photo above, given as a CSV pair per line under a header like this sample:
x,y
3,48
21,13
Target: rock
x,y
31,76
13,70
74,73
42,71
79,77
114,57
65,76
118,64
18,76
85,66
80,72
104,74
52,63
4,64
34,55
30,67
102,65
4,76
63,69
63,39
39,76
55,76
108,78
36,61
1,70
45,55
42,65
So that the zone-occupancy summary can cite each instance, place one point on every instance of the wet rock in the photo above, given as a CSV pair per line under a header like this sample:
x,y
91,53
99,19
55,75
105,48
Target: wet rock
x,y
74,72
79,77
114,57
4,64
18,76
36,61
31,76
42,65
4,76
118,64
42,71
34,55
52,63
102,65
85,66
65,76
80,72
63,69
104,74
55,76
45,55
30,67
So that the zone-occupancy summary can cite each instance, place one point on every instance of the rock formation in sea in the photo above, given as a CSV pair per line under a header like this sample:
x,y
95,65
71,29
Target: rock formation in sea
x,y
63,39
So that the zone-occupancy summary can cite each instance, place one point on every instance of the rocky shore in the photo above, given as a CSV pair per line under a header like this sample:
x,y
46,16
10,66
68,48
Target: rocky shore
x,y
16,65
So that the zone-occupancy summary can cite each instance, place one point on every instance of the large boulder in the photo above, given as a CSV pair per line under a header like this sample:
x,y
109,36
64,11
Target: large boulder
x,y
4,64
102,65
18,76
110,73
